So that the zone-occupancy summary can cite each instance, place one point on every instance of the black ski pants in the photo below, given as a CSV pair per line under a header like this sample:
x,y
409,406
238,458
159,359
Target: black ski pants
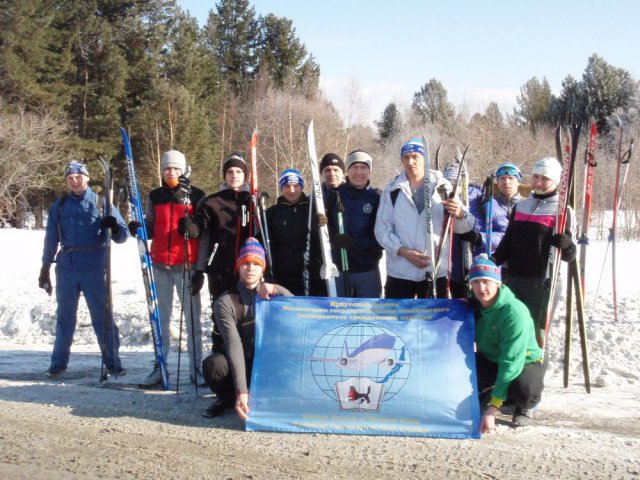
x,y
525,390
401,288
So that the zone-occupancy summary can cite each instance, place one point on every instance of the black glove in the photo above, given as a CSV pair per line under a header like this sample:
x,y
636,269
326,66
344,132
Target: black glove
x,y
197,282
110,222
44,280
342,240
473,237
561,241
187,226
319,220
133,227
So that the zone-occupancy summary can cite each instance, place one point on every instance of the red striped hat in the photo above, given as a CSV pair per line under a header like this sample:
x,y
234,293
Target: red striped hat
x,y
251,251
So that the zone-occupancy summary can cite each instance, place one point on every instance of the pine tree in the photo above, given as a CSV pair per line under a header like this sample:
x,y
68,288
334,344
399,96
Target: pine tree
x,y
431,104
232,35
389,124
533,102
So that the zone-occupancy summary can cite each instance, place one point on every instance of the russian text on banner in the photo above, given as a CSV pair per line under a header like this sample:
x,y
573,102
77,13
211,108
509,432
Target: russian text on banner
x,y
364,366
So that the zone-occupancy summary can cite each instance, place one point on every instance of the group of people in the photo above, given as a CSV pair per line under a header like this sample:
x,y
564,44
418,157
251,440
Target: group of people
x,y
221,235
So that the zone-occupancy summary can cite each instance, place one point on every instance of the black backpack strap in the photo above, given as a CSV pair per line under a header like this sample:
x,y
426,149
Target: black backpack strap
x,y
394,196
59,211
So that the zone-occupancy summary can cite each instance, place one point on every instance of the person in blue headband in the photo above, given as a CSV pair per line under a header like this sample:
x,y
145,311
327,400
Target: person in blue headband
x,y
401,226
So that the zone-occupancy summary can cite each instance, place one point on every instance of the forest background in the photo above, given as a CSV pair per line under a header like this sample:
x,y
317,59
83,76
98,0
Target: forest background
x,y
73,72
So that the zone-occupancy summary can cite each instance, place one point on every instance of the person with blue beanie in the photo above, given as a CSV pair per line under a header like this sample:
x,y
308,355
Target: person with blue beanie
x,y
291,238
509,362
76,240
401,225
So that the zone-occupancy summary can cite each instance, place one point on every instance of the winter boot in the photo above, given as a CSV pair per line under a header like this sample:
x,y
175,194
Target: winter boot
x,y
55,371
153,379
522,416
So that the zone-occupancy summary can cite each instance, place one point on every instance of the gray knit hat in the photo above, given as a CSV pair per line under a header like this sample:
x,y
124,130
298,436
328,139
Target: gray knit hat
x,y
174,159
359,156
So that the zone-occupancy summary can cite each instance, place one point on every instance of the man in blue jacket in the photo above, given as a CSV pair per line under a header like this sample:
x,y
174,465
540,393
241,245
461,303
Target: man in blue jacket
x,y
78,227
354,246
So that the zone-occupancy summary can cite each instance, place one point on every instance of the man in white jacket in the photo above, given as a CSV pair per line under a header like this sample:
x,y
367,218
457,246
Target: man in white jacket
x,y
401,226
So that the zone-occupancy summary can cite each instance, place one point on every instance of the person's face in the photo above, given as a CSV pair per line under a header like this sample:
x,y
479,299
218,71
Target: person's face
x,y
292,192
508,185
171,175
413,164
485,291
77,183
359,174
542,184
234,177
250,273
332,176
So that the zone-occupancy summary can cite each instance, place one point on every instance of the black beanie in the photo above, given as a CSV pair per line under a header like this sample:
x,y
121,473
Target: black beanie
x,y
332,159
234,160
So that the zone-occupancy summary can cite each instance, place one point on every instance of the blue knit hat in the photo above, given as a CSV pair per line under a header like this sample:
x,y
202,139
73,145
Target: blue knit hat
x,y
413,145
76,166
483,268
290,176
511,169
251,251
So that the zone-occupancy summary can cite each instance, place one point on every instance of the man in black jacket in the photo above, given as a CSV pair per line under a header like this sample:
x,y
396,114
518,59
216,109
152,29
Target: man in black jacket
x,y
228,370
292,240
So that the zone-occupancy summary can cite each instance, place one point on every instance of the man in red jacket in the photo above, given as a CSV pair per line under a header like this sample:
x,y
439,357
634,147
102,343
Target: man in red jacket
x,y
174,250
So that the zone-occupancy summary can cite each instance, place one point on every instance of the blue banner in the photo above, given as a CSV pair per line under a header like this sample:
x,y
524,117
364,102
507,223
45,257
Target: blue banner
x,y
364,366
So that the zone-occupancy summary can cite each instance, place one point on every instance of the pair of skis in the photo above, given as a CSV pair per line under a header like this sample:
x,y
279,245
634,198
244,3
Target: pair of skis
x,y
622,159
328,271
567,155
145,261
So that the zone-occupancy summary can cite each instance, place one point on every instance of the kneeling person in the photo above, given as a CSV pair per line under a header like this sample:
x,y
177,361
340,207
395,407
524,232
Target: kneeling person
x,y
228,370
509,361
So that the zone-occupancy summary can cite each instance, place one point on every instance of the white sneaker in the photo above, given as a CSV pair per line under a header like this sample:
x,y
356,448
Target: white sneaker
x,y
153,379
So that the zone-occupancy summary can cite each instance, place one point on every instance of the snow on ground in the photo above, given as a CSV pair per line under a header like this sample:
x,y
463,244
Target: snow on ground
x,y
576,435
27,314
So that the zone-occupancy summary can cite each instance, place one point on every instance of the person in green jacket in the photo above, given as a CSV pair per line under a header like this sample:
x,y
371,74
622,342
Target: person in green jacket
x,y
509,362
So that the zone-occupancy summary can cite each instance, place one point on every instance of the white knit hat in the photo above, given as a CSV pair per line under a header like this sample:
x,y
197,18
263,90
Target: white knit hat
x,y
548,167
174,159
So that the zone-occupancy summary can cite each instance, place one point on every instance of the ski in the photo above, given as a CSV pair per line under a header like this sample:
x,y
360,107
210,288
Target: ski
x,y
571,201
567,159
618,189
145,261
107,325
589,176
256,212
467,250
328,271
430,276
486,201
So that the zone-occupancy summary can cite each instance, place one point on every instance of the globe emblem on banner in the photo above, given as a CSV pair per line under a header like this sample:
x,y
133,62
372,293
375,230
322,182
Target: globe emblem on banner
x,y
362,351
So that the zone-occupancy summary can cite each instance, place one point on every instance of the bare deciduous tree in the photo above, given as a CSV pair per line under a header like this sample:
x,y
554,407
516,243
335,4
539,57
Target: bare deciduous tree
x,y
32,153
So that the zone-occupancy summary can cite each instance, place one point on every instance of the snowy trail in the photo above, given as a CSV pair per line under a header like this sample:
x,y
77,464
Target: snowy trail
x,y
73,428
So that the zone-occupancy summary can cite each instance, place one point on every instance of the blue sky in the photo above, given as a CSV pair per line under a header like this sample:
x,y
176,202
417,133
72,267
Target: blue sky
x,y
480,50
